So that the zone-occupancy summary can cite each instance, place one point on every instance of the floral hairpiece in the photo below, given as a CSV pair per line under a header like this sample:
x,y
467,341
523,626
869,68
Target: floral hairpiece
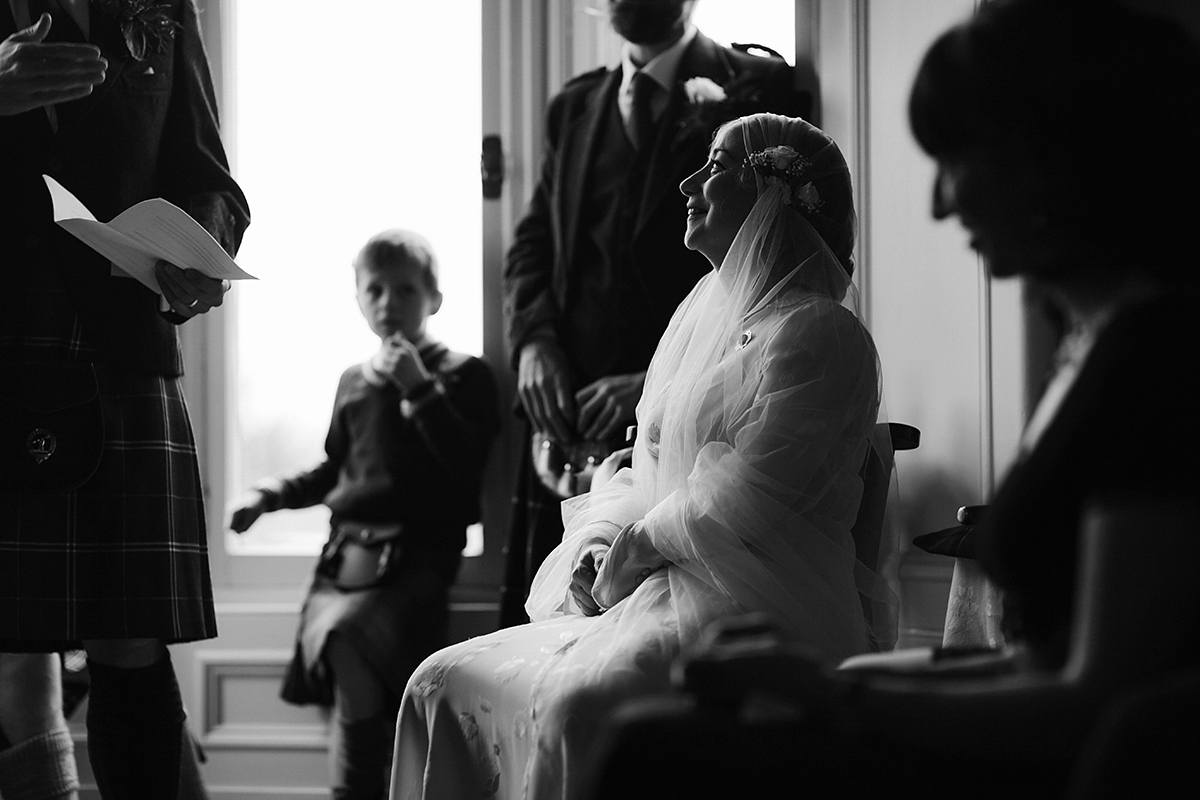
x,y
784,164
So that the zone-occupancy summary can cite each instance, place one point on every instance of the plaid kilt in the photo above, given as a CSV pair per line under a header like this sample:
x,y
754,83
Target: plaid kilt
x,y
394,627
125,555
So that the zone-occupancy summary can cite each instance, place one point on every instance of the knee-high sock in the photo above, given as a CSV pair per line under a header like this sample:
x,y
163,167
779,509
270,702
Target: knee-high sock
x,y
362,757
40,768
191,785
135,730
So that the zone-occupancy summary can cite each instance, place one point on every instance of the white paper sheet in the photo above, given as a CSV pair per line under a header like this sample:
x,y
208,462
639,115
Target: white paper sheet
x,y
142,234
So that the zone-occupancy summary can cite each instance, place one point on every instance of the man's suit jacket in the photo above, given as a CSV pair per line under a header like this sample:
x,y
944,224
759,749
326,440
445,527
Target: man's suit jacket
x,y
150,130
538,274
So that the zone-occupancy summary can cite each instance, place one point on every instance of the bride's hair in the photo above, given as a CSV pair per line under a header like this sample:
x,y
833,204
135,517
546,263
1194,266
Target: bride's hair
x,y
1100,100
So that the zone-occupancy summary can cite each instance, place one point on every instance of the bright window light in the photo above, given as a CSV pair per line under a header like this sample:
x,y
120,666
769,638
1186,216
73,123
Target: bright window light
x,y
766,22
351,117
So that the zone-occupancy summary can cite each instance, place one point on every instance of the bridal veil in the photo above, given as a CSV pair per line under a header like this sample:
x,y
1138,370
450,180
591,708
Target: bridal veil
x,y
752,428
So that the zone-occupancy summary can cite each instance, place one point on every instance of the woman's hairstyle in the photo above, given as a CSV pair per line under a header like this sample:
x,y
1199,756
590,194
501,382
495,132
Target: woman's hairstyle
x,y
399,246
1101,100
818,177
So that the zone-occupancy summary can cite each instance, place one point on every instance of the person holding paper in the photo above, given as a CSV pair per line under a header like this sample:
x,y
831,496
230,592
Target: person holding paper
x,y
102,536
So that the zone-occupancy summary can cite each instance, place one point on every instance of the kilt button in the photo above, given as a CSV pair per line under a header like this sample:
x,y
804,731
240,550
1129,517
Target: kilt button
x,y
40,444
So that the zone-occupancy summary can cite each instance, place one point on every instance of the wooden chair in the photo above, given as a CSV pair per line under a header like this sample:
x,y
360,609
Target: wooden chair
x,y
876,474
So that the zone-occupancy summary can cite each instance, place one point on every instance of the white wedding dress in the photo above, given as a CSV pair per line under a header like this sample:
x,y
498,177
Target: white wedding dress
x,y
753,425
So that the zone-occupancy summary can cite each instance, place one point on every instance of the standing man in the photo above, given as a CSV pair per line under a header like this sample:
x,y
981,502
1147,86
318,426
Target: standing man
x,y
106,551
598,265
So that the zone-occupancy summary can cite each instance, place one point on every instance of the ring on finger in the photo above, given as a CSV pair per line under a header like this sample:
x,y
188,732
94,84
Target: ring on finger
x,y
193,303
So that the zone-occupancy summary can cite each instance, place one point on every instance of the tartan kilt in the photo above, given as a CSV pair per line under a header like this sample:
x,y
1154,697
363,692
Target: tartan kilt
x,y
393,627
125,555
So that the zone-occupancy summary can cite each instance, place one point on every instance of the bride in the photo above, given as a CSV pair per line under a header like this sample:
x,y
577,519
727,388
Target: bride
x,y
755,419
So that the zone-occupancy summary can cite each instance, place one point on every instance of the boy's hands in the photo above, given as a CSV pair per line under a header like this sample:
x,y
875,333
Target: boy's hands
x,y
245,510
399,361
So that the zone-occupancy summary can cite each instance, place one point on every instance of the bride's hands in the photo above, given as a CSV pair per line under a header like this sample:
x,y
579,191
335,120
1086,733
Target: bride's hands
x,y
583,577
630,560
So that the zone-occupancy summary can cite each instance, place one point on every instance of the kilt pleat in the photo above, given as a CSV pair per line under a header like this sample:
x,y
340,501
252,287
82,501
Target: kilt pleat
x,y
125,555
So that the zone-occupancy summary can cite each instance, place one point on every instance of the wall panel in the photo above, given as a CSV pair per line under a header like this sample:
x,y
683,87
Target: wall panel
x,y
926,300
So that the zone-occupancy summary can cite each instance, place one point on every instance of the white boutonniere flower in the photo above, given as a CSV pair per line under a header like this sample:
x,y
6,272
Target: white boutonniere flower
x,y
703,90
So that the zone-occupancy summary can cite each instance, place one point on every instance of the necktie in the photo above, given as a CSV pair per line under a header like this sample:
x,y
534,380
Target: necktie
x,y
641,115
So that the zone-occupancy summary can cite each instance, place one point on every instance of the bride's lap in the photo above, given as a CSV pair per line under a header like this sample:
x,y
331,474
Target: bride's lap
x,y
494,660
517,712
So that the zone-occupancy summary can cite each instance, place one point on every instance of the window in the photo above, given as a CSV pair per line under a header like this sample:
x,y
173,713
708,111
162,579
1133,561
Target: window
x,y
349,117
368,118
766,22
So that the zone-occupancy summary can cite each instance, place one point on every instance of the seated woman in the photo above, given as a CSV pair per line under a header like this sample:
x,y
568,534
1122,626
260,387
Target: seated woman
x,y
753,425
1065,140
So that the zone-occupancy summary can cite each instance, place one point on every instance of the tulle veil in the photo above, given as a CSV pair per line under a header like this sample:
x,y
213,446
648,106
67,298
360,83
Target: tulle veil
x,y
752,428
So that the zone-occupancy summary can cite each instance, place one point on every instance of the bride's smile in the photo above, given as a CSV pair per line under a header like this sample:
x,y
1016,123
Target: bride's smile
x,y
718,198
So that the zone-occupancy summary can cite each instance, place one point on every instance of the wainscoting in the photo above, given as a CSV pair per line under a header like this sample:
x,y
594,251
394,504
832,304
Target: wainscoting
x,y
256,746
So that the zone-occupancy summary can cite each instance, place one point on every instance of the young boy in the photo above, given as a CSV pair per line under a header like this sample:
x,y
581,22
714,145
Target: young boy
x,y
404,461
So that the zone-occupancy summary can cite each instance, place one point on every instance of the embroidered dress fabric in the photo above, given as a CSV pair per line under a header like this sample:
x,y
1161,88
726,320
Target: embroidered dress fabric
x,y
753,425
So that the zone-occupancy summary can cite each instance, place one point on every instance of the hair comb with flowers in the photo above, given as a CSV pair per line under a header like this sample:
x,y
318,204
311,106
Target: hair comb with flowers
x,y
782,163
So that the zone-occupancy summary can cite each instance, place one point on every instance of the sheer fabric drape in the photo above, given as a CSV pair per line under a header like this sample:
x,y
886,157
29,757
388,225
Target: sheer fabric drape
x,y
753,425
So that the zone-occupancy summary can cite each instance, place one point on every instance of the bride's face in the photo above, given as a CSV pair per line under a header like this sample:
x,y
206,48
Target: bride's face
x,y
720,195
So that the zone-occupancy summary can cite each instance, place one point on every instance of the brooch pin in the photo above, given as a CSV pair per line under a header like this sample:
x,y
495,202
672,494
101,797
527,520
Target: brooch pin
x,y
40,444
744,339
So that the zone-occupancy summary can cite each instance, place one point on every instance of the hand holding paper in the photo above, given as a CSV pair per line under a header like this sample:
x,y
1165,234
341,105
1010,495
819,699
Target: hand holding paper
x,y
142,235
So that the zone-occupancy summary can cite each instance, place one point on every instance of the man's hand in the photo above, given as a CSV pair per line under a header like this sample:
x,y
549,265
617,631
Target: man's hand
x,y
606,403
544,387
189,292
245,510
587,564
34,74
399,362
630,560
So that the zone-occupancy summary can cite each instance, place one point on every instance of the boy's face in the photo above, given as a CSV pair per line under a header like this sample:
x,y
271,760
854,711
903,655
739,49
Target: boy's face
x,y
394,298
